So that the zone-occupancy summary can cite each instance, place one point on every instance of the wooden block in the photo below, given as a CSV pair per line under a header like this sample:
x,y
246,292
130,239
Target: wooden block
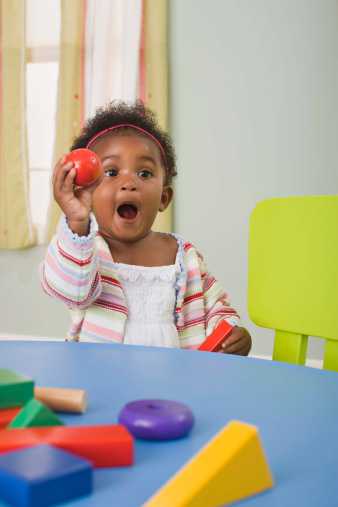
x,y
42,476
103,445
62,400
232,466
7,415
35,413
14,389
213,342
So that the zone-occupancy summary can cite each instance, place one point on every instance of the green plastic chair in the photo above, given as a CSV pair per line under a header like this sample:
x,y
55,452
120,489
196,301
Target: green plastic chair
x,y
293,274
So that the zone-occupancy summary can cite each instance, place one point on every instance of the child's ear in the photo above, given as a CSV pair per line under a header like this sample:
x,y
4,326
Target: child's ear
x,y
166,197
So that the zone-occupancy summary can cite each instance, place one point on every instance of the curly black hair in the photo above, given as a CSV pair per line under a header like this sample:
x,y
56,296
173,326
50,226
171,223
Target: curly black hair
x,y
119,112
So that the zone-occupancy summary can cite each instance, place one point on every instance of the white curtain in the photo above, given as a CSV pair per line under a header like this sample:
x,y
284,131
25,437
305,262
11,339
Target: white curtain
x,y
112,43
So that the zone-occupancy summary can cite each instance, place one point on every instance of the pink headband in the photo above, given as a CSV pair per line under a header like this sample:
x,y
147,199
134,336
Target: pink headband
x,y
129,125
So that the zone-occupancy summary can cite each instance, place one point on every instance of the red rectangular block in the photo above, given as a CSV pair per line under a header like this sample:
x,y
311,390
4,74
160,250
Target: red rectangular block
x,y
214,341
7,415
105,445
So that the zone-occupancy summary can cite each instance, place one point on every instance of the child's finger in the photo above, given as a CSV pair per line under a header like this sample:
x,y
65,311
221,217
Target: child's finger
x,y
242,351
235,339
235,335
68,184
60,176
240,344
235,347
57,166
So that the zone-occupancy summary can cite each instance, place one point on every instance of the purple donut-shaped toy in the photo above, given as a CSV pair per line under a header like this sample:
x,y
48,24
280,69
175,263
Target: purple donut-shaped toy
x,y
157,419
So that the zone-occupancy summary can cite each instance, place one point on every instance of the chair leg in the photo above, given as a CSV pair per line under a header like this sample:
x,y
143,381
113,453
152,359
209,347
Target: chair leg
x,y
290,347
331,355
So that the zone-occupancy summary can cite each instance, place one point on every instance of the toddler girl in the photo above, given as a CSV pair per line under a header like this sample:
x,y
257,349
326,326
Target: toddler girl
x,y
122,281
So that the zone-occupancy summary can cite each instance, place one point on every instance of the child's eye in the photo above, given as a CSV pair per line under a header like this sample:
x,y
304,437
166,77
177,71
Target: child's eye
x,y
145,174
111,172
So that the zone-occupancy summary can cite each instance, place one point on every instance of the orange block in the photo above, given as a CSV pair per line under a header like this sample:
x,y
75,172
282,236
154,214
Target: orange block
x,y
105,445
7,415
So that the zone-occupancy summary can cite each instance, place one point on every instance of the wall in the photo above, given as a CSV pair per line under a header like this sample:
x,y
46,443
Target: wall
x,y
25,308
254,96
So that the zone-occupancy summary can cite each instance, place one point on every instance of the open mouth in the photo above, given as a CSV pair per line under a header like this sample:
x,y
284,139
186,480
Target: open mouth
x,y
127,211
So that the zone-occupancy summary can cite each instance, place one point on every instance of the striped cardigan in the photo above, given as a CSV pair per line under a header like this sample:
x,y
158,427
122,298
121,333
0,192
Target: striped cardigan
x,y
79,271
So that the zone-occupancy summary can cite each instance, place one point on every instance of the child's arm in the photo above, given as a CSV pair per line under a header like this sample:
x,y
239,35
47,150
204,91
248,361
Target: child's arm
x,y
218,308
216,301
70,269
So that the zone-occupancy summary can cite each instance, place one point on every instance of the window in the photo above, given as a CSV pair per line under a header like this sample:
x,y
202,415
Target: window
x,y
42,42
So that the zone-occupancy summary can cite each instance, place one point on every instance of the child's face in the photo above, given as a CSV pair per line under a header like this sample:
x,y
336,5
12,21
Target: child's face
x,y
133,189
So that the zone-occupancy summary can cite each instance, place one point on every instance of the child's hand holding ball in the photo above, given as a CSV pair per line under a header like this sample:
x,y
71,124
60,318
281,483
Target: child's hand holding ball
x,y
75,178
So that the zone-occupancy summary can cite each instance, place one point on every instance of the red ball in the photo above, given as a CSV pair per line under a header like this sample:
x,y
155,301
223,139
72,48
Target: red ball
x,y
88,166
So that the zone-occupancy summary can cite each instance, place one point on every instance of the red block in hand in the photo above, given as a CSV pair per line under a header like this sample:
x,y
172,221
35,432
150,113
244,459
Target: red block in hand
x,y
214,342
105,445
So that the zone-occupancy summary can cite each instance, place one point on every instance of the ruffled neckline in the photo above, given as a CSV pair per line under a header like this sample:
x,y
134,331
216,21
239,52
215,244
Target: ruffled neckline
x,y
132,272
178,269
129,272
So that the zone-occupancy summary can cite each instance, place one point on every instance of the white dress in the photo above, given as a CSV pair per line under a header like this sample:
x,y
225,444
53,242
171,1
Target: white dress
x,y
151,297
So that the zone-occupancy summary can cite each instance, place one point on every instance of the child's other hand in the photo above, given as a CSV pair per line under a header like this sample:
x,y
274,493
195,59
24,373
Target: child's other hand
x,y
75,202
238,342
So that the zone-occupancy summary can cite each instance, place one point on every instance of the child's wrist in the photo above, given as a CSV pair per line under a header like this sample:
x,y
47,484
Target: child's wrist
x,y
79,227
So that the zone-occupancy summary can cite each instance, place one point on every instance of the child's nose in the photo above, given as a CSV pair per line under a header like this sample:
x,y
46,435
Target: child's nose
x,y
128,184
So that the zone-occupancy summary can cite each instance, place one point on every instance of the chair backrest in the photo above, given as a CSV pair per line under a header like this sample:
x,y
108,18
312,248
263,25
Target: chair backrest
x,y
293,274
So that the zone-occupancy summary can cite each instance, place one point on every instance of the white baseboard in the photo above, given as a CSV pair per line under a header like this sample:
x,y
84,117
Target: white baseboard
x,y
313,363
24,337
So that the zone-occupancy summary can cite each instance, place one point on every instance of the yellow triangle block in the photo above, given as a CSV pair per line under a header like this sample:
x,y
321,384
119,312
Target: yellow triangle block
x,y
228,468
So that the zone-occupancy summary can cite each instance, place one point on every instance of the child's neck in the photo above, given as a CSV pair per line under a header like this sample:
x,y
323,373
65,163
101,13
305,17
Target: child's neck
x,y
154,249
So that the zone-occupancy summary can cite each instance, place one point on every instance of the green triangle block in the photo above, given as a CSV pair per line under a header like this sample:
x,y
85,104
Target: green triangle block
x,y
15,389
35,413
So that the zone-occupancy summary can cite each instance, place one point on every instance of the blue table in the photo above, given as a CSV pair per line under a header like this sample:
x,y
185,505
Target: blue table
x,y
294,407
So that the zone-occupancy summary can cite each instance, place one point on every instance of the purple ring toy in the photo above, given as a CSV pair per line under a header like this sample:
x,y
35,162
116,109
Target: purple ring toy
x,y
157,419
